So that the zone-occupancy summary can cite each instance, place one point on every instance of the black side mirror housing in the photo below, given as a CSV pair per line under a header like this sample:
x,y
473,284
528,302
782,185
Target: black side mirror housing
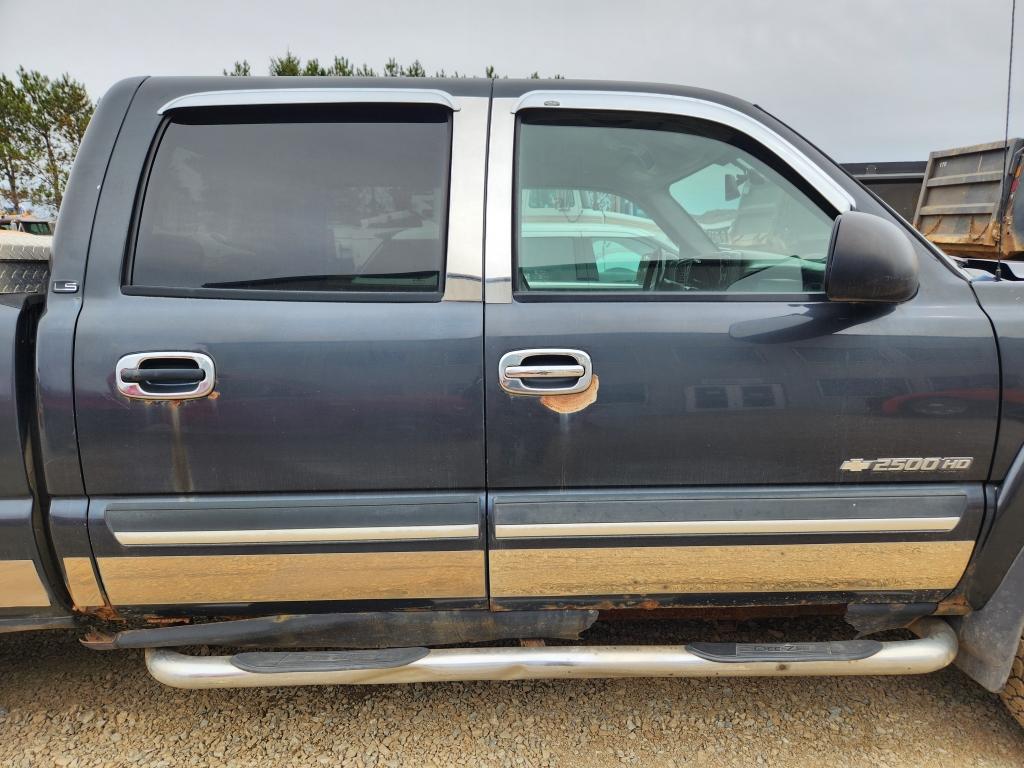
x,y
870,259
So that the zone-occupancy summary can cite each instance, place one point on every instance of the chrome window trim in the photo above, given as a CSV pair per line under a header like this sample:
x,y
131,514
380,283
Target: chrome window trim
x,y
687,106
271,96
500,232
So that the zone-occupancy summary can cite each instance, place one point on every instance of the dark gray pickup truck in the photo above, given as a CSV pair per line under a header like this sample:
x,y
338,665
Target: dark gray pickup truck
x,y
367,380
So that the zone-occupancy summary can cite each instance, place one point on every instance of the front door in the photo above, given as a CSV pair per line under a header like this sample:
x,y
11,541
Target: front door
x,y
675,412
278,380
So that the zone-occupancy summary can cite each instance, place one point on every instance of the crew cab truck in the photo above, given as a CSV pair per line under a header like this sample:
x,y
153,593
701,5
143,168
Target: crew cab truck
x,y
364,378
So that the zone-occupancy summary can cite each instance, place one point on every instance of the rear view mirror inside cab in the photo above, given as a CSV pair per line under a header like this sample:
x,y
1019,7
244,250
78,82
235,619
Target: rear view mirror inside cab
x,y
732,187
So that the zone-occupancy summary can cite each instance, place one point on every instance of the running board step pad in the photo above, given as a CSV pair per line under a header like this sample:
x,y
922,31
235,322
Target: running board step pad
x,y
836,650
935,648
326,661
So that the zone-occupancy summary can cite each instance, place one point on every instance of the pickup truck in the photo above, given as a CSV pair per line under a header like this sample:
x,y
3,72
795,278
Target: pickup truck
x,y
375,381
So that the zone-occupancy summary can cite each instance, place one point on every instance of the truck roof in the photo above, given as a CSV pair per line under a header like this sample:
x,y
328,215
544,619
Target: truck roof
x,y
463,86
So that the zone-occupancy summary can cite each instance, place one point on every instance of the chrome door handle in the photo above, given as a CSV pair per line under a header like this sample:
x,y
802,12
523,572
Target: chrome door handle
x,y
165,375
544,371
553,371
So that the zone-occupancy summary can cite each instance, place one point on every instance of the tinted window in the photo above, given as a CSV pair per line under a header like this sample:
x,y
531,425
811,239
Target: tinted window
x,y
37,227
339,198
658,205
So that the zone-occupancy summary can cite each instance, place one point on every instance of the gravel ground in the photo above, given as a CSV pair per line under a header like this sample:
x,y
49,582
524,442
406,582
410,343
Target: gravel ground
x,y
63,705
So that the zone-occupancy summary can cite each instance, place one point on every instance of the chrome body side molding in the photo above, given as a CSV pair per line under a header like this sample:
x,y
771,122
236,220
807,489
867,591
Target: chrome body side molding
x,y
296,535
727,527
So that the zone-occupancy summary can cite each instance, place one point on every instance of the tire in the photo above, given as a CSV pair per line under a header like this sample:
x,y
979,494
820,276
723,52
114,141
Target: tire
x,y
1013,692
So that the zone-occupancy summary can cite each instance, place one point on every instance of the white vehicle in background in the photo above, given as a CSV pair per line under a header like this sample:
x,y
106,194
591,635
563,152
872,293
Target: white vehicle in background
x,y
31,225
615,255
568,234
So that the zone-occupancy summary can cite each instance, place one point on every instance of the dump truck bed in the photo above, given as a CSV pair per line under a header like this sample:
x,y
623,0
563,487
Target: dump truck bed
x,y
965,207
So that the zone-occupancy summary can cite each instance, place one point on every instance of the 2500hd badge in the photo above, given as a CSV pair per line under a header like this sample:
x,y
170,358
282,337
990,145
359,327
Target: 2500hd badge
x,y
912,464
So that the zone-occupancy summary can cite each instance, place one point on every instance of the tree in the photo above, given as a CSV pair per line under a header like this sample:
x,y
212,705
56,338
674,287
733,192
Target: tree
x,y
75,111
241,69
341,67
55,121
414,70
288,65
16,147
313,69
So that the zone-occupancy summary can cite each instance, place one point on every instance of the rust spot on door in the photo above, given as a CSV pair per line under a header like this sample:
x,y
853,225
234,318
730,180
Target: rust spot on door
x,y
573,403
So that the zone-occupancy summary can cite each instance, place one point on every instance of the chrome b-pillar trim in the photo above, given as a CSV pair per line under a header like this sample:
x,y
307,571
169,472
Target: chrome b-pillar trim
x,y
498,244
464,261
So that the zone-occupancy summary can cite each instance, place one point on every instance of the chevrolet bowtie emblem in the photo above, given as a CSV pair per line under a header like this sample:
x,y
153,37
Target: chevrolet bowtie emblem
x,y
856,465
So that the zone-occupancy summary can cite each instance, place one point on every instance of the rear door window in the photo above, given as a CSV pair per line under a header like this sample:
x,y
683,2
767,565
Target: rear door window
x,y
335,199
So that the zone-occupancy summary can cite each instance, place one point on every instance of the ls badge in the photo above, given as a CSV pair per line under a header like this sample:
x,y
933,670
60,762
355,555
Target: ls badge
x,y
915,464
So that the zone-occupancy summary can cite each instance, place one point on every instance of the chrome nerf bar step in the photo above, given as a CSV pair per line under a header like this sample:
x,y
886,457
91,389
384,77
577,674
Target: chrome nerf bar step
x,y
935,649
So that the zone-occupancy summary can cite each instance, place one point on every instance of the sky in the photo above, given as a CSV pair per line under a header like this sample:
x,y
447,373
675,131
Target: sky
x,y
866,80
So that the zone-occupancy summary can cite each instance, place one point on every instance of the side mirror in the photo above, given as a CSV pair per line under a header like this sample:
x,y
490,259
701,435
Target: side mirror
x,y
870,259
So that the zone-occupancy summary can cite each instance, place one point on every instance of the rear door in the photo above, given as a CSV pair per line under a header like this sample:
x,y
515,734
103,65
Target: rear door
x,y
278,372
697,422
